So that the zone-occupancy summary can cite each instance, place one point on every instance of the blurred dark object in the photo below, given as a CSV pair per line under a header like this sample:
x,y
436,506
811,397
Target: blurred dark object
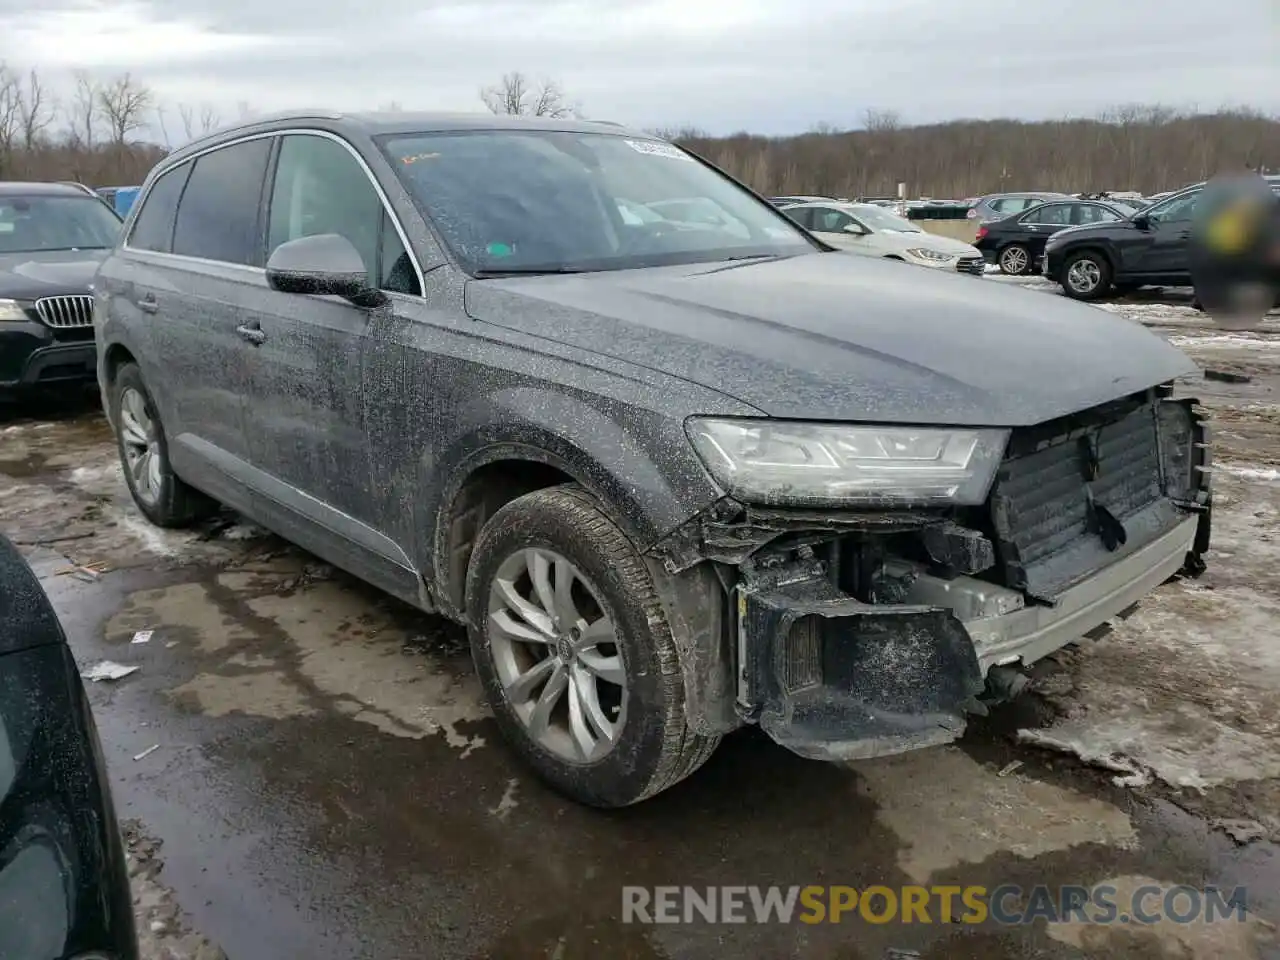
x,y
1235,250
64,889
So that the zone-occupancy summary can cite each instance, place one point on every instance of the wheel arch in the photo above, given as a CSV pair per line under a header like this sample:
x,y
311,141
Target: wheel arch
x,y
568,442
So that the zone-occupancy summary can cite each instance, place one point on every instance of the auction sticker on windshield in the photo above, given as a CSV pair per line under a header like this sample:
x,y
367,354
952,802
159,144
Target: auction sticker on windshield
x,y
656,149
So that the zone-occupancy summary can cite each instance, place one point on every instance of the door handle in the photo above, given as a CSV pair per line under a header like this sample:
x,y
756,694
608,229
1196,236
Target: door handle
x,y
253,333
148,303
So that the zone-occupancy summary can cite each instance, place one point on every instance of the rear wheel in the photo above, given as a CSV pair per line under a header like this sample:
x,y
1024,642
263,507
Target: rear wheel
x,y
1015,260
144,454
575,653
1086,276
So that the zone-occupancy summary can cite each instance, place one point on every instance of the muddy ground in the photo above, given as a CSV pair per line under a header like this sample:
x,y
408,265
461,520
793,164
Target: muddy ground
x,y
325,782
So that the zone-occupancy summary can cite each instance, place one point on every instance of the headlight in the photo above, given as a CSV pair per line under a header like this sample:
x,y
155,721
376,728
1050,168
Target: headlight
x,y
811,464
920,253
12,310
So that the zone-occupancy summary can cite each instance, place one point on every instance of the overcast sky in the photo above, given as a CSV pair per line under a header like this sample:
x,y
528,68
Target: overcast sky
x,y
769,66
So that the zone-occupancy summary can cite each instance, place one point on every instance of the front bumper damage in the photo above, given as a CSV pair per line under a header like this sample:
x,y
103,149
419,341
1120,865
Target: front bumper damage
x,y
849,636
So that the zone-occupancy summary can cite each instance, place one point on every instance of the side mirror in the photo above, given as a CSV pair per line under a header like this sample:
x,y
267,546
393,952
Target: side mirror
x,y
326,265
855,229
1142,221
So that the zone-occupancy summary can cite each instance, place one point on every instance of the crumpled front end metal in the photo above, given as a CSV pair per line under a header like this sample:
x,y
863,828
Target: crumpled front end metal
x,y
833,678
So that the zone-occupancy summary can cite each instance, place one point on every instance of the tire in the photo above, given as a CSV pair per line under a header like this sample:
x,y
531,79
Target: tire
x,y
1083,265
652,747
1015,260
163,499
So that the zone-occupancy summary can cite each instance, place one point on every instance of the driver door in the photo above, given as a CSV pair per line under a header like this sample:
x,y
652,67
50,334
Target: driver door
x,y
1167,249
841,230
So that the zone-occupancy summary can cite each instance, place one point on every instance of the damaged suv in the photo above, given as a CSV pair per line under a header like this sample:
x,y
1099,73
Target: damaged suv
x,y
675,477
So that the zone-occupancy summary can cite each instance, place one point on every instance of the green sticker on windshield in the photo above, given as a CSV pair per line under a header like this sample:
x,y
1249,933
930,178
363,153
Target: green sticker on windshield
x,y
499,250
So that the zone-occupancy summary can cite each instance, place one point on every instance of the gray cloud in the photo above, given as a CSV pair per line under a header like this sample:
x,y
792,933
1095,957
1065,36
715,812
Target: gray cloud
x,y
766,65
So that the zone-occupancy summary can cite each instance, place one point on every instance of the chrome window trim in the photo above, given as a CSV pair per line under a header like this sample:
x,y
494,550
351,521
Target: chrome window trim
x,y
284,132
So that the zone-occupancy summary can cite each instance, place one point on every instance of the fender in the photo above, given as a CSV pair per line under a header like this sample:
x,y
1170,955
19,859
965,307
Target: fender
x,y
583,442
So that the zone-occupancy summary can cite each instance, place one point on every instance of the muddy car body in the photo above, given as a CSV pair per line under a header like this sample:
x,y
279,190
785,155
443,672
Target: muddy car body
x,y
64,889
673,484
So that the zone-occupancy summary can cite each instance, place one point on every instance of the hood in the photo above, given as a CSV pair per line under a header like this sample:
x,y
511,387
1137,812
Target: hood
x,y
828,337
1108,228
929,241
29,276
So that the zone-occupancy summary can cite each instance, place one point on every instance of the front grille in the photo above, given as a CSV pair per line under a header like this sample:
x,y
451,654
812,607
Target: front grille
x,y
1040,509
975,265
64,313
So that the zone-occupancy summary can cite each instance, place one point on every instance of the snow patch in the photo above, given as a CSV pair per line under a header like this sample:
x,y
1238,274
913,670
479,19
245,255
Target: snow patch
x,y
161,542
1268,474
1224,341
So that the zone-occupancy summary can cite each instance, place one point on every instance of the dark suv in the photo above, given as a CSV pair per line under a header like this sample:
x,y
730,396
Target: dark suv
x,y
1150,248
674,478
52,238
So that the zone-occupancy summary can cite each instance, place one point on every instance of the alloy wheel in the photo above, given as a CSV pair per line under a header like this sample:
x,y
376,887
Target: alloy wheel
x,y
1084,276
140,439
556,654
1014,260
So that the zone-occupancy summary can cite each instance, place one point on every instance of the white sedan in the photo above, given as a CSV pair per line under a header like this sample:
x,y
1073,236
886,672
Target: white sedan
x,y
872,231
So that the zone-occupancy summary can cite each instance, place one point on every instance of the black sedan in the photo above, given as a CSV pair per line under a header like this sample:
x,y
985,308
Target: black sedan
x,y
52,238
1016,243
64,889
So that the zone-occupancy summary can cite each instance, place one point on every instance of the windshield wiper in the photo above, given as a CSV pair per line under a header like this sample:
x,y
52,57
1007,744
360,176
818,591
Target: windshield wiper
x,y
523,272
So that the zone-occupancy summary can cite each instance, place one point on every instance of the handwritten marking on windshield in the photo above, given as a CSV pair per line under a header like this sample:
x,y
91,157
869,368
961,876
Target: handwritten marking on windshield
x,y
656,149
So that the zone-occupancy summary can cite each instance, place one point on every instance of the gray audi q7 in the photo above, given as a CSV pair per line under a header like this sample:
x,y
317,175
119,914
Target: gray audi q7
x,y
674,476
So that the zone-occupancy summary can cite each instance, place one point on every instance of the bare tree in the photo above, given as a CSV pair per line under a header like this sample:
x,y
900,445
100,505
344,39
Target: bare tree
x,y
518,96
125,104
197,124
10,111
38,110
391,106
881,120
164,127
83,110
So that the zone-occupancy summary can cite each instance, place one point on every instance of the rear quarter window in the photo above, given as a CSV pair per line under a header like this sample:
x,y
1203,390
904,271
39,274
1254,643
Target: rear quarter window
x,y
219,213
153,227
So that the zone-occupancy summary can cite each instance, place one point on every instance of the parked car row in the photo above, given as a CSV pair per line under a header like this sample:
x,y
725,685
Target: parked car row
x,y
1017,242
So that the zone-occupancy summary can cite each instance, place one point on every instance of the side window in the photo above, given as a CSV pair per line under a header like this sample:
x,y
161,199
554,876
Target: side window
x,y
218,214
395,269
1050,214
320,188
826,220
802,216
153,228
1176,208
1092,213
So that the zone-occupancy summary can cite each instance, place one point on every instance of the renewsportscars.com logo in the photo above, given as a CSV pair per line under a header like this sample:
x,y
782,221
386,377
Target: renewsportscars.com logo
x,y
1006,905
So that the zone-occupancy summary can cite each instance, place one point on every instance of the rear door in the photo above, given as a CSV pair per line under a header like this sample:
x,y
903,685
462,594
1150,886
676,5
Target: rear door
x,y
186,277
1041,223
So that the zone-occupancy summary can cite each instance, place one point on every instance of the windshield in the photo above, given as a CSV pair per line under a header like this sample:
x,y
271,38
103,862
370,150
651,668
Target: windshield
x,y
549,201
877,219
36,223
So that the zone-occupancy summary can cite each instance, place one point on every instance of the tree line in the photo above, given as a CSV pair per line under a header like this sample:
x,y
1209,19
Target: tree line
x,y
103,132
1149,149
112,131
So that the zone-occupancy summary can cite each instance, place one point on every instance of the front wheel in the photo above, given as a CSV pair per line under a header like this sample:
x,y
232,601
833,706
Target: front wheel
x,y
1086,276
575,653
1015,260
144,454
